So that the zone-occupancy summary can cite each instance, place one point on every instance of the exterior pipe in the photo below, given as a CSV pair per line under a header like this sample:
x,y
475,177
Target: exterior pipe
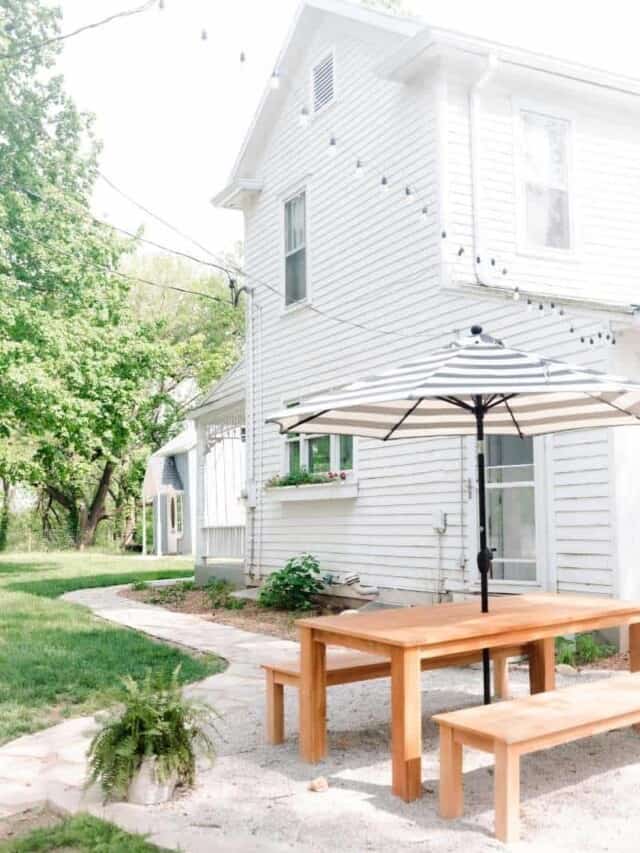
x,y
479,257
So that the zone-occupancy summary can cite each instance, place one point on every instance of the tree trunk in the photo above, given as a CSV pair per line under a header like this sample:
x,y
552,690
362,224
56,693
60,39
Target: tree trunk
x,y
4,513
88,520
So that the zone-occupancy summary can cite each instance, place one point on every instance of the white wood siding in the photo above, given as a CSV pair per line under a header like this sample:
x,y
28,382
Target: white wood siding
x,y
372,259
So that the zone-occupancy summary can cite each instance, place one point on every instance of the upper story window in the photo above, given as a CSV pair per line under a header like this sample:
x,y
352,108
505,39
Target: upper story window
x,y
322,78
546,203
295,249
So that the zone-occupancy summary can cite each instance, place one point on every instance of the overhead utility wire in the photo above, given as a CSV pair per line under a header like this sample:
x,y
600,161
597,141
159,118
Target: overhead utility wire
x,y
126,13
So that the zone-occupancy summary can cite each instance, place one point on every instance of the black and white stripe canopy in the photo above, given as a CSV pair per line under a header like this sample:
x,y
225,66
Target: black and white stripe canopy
x,y
519,393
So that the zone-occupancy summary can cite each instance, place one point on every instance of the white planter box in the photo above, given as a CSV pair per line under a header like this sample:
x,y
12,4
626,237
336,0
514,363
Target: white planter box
x,y
146,789
316,492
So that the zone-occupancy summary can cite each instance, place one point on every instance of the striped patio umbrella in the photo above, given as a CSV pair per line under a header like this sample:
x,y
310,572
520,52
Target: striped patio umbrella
x,y
474,386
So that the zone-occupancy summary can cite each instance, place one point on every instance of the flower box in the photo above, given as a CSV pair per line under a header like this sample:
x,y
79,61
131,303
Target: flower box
x,y
339,490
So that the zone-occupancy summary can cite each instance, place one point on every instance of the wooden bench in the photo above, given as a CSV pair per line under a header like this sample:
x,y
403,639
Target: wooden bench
x,y
511,729
347,667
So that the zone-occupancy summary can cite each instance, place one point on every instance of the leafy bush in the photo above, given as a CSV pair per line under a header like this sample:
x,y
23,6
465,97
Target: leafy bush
x,y
172,594
219,592
156,722
292,587
583,649
139,584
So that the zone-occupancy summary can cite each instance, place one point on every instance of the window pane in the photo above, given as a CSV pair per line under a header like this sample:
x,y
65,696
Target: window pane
x,y
547,217
509,450
512,529
545,148
320,454
295,284
293,449
511,571
510,474
346,452
294,223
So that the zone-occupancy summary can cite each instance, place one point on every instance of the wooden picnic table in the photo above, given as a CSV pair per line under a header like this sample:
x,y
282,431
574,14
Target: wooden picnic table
x,y
411,634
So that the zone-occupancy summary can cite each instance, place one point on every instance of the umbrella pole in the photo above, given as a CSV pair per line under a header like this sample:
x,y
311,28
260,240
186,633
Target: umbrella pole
x,y
484,554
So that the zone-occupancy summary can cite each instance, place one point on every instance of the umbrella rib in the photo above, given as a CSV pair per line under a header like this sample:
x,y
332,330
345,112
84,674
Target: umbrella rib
x,y
454,401
403,419
613,406
306,420
513,417
496,402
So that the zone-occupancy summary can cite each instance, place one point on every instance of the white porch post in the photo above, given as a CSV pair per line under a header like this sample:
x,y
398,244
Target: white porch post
x,y
158,526
144,525
201,439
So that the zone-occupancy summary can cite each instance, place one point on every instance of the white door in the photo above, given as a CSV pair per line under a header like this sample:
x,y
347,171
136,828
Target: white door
x,y
174,513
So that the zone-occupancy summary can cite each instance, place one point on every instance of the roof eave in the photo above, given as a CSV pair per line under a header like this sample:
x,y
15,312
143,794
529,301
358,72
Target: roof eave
x,y
238,194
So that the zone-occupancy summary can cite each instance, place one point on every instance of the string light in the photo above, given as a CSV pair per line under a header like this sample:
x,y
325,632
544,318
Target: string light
x,y
516,294
274,81
529,306
384,183
333,147
304,117
243,56
359,169
424,212
203,35
408,195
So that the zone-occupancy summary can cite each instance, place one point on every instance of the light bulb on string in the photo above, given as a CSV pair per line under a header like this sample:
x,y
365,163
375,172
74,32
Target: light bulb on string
x,y
203,35
161,4
529,306
333,148
541,310
274,81
243,56
554,309
303,118
424,213
359,171
384,183
516,294
408,195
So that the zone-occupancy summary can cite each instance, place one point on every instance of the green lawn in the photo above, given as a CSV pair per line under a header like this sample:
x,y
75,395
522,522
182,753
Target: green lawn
x,y
80,834
56,659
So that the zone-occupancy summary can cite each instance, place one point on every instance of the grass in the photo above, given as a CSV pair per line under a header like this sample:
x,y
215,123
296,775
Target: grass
x,y
80,834
56,659
582,649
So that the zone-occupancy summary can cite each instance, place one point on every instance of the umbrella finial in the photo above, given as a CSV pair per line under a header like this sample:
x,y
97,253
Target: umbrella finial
x,y
476,330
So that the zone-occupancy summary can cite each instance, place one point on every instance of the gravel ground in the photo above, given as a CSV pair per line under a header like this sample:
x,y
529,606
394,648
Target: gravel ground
x,y
577,797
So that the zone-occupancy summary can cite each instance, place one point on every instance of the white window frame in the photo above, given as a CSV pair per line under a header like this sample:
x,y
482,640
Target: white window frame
x,y
543,503
334,453
549,110
321,56
179,530
289,307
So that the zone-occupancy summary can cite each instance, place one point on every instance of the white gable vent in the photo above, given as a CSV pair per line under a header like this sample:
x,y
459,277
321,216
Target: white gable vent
x,y
323,83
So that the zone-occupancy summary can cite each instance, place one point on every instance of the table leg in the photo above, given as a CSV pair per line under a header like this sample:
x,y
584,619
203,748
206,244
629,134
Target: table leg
x,y
451,793
542,665
406,724
634,655
507,793
312,697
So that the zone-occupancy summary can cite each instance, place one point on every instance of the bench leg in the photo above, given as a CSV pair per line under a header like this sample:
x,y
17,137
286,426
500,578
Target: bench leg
x,y
501,677
542,665
451,793
507,793
406,724
275,709
312,697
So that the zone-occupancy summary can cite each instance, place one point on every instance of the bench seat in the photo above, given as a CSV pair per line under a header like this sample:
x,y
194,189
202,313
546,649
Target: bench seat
x,y
346,667
532,723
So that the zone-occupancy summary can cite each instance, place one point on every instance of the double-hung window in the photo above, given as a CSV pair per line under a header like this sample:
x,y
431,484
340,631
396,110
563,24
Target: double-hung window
x,y
546,221
295,249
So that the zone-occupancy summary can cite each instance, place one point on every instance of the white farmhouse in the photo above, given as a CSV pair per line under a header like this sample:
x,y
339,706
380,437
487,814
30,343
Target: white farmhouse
x,y
399,183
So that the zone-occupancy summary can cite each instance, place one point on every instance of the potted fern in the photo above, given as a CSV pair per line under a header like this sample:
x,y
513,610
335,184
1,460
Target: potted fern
x,y
147,749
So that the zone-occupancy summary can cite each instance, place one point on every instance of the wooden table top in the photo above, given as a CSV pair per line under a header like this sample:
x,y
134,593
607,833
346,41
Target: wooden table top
x,y
546,714
436,625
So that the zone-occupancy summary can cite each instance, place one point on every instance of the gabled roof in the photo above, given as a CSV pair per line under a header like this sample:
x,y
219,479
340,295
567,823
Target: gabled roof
x,y
228,392
182,443
161,477
419,44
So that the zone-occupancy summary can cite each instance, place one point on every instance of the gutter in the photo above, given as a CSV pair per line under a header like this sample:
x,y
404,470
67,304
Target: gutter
x,y
479,257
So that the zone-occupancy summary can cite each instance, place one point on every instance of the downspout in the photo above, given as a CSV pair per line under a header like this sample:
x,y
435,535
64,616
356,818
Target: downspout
x,y
479,256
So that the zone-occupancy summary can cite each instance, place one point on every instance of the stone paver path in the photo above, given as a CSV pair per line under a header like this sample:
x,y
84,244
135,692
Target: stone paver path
x,y
255,797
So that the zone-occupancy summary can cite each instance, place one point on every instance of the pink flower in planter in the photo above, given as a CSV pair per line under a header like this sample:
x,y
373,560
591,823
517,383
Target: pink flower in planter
x,y
343,475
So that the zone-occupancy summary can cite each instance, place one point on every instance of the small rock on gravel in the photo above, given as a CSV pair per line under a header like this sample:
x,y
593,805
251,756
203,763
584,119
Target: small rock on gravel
x,y
319,785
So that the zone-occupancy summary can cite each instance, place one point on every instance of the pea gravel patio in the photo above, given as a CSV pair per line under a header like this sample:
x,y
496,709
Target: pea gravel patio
x,y
582,796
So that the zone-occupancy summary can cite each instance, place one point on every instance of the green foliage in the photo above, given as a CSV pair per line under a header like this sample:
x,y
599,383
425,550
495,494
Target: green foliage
x,y
219,593
157,722
293,586
139,584
583,649
82,833
173,594
303,478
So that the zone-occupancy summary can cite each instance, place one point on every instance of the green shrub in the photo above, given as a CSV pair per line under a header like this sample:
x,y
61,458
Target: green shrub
x,y
156,722
219,593
583,649
139,584
292,587
171,594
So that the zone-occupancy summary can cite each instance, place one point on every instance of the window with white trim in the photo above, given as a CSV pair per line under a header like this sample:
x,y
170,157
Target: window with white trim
x,y
319,454
511,527
295,249
546,203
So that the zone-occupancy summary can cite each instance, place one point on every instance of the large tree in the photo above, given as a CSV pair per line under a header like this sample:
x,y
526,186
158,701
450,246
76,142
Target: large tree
x,y
85,377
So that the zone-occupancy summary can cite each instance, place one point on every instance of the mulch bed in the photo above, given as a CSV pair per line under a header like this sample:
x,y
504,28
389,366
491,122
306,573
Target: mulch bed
x,y
619,661
277,623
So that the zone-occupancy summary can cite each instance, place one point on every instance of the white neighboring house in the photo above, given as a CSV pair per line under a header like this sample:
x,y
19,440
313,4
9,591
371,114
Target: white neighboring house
x,y
381,149
169,486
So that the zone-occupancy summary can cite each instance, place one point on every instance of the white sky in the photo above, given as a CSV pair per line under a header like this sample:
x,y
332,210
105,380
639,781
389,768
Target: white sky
x,y
172,110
